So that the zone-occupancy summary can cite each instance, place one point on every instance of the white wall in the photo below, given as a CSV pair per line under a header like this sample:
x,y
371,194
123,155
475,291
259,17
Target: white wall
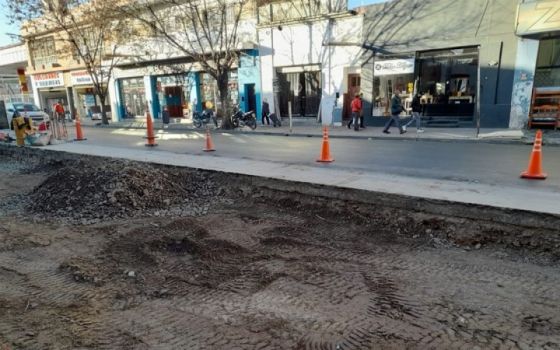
x,y
525,65
265,37
304,44
338,61
13,54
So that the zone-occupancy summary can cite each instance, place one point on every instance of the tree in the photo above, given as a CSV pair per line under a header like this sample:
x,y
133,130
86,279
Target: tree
x,y
208,33
89,30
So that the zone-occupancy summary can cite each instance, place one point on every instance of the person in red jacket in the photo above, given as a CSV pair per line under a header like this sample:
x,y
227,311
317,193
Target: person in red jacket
x,y
59,110
356,107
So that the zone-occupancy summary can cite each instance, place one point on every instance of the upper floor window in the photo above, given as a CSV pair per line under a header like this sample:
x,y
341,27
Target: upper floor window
x,y
43,51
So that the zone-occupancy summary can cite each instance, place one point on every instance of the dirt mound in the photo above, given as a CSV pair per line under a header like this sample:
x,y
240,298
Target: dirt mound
x,y
90,192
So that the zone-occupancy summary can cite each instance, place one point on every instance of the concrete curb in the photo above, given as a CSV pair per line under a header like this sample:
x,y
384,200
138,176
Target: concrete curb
x,y
522,141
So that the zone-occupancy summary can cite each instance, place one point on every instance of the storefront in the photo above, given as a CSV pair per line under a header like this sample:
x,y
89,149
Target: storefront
x,y
177,93
459,55
446,80
133,93
49,89
179,88
536,91
86,103
209,89
300,87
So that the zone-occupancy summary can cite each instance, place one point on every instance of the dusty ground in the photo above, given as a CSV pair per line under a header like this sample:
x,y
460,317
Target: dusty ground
x,y
240,270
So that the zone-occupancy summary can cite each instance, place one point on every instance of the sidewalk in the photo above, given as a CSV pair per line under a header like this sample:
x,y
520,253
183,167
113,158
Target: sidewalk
x,y
313,129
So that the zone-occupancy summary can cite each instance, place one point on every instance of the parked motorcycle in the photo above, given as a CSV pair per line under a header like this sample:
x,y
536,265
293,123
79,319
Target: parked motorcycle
x,y
202,119
240,119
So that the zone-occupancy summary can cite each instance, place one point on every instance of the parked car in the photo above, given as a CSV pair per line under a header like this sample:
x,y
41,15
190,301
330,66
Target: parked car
x,y
32,111
96,112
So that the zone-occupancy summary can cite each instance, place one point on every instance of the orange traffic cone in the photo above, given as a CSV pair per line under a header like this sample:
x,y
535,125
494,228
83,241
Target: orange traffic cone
x,y
325,149
209,144
534,170
150,126
79,133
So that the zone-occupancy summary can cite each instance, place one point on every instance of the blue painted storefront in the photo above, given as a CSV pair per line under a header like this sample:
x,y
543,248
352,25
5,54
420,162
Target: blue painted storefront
x,y
248,73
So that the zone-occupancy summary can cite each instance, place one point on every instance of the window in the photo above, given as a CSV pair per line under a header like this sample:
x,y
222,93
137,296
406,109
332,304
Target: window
x,y
43,52
547,72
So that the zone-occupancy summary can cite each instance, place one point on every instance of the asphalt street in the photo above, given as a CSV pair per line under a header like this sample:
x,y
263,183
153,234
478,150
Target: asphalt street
x,y
494,164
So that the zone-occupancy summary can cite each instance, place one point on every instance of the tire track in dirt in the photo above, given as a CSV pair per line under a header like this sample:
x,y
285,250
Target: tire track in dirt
x,y
276,286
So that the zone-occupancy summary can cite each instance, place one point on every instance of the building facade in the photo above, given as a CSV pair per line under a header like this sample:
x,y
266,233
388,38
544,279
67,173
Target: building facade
x,y
537,71
57,74
161,77
459,55
310,53
15,84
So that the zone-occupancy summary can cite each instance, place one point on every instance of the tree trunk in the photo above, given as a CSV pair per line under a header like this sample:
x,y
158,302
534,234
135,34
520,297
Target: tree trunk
x,y
223,91
104,119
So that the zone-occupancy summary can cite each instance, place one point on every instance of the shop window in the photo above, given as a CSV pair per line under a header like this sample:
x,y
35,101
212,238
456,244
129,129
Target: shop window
x,y
134,95
210,92
301,90
547,72
447,80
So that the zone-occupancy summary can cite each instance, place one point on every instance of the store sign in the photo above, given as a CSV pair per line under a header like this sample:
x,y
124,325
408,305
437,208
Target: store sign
x,y
47,80
80,78
391,67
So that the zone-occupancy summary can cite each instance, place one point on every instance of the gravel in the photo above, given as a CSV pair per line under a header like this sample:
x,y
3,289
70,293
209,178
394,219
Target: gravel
x,y
89,192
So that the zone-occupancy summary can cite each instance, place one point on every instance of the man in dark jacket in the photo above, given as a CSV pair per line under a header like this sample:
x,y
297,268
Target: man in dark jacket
x,y
265,113
396,109
416,110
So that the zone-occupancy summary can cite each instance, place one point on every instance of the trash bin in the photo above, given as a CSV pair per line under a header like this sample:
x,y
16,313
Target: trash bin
x,y
337,116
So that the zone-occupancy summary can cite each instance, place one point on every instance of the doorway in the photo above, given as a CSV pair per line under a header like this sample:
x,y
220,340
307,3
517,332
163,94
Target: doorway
x,y
250,98
354,82
174,101
301,90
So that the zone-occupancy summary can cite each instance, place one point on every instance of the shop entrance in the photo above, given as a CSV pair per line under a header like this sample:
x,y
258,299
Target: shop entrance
x,y
134,95
354,82
52,98
251,98
174,100
301,89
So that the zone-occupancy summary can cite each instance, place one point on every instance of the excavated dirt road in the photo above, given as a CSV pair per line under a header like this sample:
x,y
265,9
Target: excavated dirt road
x,y
255,268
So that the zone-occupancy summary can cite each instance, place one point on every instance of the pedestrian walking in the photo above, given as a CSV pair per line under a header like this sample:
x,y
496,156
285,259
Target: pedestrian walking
x,y
356,107
396,110
265,113
416,110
